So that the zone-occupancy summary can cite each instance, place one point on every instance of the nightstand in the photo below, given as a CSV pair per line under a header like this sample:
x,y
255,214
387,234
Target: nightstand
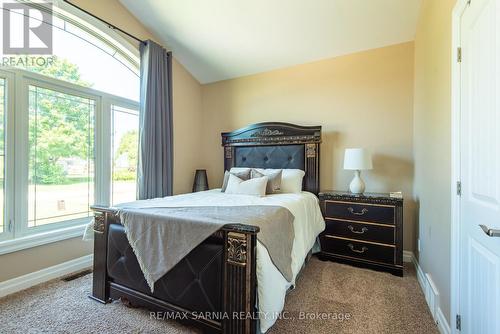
x,y
364,230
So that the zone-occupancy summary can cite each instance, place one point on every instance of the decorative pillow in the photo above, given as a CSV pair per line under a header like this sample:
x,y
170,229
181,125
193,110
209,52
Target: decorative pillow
x,y
240,169
243,174
291,179
273,182
254,187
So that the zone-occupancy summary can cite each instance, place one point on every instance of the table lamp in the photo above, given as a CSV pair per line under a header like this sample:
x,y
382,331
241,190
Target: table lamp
x,y
357,159
200,180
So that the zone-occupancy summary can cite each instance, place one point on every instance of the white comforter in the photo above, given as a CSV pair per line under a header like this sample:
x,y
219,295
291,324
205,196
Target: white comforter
x,y
308,223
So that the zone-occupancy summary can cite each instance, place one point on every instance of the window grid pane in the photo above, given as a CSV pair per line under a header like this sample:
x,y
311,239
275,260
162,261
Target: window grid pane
x,y
61,156
124,150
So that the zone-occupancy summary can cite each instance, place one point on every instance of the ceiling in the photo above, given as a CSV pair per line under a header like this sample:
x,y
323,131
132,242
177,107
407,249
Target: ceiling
x,y
223,39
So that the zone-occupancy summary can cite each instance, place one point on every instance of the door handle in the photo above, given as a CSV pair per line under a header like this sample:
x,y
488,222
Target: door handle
x,y
490,232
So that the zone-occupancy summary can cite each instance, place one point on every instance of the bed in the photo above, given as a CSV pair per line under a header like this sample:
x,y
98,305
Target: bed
x,y
228,283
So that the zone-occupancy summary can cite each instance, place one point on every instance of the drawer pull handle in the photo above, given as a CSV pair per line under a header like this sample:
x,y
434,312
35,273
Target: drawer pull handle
x,y
363,211
363,230
362,250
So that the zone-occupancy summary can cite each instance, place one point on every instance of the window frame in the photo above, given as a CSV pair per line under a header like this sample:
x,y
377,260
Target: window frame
x,y
23,160
120,104
9,96
17,82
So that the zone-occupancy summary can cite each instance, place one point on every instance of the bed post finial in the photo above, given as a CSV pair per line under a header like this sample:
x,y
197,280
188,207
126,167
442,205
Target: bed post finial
x,y
228,152
311,150
237,248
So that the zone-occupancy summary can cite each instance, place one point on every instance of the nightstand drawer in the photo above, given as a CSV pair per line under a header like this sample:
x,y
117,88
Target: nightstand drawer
x,y
382,214
357,249
364,232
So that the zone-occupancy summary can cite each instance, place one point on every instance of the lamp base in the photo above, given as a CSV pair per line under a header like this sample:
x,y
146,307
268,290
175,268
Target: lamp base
x,y
357,185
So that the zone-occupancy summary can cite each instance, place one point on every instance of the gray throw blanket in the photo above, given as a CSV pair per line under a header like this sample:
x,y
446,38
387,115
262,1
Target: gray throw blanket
x,y
162,236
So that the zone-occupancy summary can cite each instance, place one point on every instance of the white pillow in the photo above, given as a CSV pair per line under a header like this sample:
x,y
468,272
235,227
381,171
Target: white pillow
x,y
239,169
291,179
254,187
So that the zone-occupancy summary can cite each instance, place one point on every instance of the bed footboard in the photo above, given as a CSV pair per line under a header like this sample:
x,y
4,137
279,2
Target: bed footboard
x,y
238,286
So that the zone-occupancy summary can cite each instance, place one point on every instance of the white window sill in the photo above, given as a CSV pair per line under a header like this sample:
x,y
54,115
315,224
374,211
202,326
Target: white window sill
x,y
39,239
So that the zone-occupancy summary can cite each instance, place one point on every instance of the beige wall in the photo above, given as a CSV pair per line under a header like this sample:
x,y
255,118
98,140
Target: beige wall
x,y
432,142
187,135
364,99
37,258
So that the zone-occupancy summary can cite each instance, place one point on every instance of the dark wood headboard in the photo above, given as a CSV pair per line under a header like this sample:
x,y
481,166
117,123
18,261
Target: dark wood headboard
x,y
275,145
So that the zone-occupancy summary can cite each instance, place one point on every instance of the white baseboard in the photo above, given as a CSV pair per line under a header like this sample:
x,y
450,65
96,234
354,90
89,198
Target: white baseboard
x,y
26,281
443,326
431,293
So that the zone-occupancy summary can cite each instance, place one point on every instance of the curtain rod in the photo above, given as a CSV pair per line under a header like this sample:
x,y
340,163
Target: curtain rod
x,y
112,26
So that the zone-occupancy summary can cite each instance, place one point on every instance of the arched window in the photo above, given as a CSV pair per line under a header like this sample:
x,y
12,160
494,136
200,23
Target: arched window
x,y
68,127
100,57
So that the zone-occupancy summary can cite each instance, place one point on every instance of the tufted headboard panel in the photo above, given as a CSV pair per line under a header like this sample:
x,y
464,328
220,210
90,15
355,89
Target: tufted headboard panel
x,y
284,156
275,145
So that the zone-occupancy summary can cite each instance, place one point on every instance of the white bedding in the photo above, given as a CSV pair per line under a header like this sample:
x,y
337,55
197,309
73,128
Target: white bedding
x,y
308,223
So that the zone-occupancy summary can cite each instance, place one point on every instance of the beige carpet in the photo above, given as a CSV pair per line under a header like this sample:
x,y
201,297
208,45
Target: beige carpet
x,y
373,302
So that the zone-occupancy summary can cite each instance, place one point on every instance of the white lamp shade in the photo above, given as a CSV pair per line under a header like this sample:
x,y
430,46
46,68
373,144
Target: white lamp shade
x,y
357,159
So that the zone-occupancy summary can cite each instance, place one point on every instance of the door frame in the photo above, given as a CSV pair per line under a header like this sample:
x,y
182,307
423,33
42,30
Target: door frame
x,y
457,13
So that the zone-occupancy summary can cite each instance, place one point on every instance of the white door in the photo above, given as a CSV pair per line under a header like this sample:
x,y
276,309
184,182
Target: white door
x,y
480,168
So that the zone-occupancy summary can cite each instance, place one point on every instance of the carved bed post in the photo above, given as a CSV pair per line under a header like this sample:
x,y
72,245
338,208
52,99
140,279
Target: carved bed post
x,y
240,281
311,180
100,289
228,157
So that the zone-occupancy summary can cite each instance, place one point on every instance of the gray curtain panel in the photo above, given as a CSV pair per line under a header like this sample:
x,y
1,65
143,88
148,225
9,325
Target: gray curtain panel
x,y
155,167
